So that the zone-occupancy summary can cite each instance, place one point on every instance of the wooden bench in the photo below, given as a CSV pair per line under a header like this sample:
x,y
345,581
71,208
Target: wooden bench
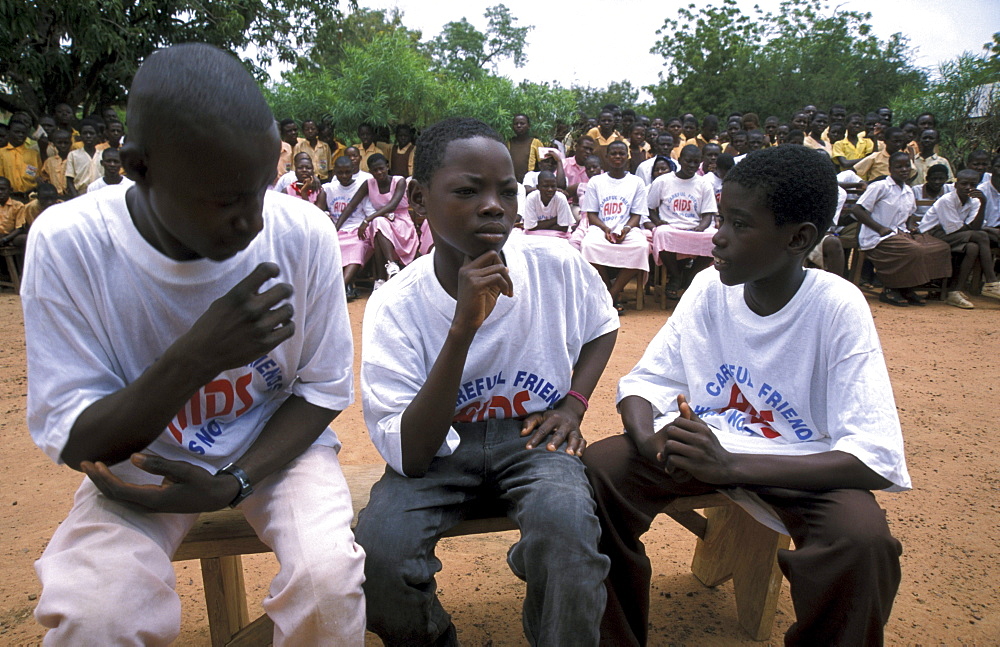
x,y
14,257
731,545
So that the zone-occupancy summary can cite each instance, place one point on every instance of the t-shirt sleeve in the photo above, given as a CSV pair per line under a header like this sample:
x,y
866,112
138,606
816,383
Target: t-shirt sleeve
x,y
865,165
708,203
639,199
659,376
532,210
653,194
325,375
564,215
589,202
861,412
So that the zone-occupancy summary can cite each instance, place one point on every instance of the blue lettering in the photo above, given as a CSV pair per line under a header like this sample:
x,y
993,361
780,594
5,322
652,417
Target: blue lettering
x,y
553,398
500,379
743,376
491,383
546,390
531,382
765,388
469,393
700,409
774,399
713,388
789,413
214,428
479,386
519,377
196,448
205,437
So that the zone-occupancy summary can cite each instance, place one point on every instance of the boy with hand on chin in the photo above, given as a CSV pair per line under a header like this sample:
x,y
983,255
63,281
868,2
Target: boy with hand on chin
x,y
468,414
768,384
180,378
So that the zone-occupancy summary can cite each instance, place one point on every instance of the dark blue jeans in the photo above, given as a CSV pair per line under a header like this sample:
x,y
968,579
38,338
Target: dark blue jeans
x,y
545,492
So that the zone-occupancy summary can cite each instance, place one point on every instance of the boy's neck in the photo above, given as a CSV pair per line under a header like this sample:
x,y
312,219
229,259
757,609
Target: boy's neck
x,y
312,141
114,178
768,296
90,149
617,173
926,154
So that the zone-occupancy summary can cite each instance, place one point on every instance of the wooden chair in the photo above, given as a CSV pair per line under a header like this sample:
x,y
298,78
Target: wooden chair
x,y
731,545
14,257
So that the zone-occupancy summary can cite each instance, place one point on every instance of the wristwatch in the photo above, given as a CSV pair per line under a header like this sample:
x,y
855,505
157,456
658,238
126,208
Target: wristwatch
x,y
245,488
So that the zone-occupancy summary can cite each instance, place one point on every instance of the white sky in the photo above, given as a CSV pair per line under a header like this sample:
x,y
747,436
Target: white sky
x,y
938,30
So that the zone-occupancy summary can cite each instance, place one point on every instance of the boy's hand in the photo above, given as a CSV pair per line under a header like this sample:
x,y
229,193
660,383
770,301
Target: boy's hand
x,y
185,487
362,228
243,324
481,281
562,424
977,194
693,449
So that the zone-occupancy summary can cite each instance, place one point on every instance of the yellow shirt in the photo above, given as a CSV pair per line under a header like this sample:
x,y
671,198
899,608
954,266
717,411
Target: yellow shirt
x,y
818,145
20,165
844,148
874,166
31,212
320,155
284,159
11,214
615,136
54,172
921,164
375,147
701,142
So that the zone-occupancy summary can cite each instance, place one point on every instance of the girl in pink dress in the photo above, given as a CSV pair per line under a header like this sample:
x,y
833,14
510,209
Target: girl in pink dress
x,y
389,228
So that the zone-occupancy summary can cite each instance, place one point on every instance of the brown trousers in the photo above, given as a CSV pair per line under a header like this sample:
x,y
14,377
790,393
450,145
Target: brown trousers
x,y
844,571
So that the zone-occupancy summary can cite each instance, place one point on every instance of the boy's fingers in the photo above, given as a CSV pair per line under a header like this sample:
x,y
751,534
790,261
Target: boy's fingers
x,y
255,279
530,423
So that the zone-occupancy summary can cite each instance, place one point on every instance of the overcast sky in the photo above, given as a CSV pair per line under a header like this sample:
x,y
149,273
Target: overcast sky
x,y
938,31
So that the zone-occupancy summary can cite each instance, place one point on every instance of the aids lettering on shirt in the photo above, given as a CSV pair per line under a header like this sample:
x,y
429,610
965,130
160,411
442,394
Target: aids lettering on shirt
x,y
501,405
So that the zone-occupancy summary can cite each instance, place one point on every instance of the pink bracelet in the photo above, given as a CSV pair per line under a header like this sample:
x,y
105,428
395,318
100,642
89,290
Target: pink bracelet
x,y
579,396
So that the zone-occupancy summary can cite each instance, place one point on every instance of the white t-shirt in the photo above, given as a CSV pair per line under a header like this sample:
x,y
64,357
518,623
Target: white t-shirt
x,y
558,298
715,182
992,216
83,168
681,203
284,182
949,212
614,200
558,207
94,327
890,205
337,198
809,378
101,183
531,179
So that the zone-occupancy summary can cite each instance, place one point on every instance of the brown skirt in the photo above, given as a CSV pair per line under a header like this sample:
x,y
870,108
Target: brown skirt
x,y
909,260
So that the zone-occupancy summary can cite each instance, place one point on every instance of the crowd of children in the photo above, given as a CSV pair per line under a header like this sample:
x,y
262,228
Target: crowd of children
x,y
197,380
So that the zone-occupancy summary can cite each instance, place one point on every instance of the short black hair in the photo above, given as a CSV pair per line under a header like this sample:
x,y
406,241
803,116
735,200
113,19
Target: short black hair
x,y
937,168
616,142
796,183
546,175
592,158
187,85
343,160
376,158
433,143
725,162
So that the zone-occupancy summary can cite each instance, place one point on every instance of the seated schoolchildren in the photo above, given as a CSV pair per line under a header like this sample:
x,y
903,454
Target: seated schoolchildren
x,y
452,325
54,167
112,164
978,161
180,377
709,131
317,149
83,164
797,438
551,162
368,146
45,196
354,250
682,208
854,147
307,185
709,155
795,136
574,170
781,134
957,219
593,169
546,211
638,148
663,146
19,162
876,166
389,229
836,132
935,185
902,259
614,205
11,210
817,127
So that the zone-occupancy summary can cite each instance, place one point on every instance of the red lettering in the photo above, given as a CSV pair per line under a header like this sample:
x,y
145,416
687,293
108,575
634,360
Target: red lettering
x,y
739,402
213,391
498,402
474,412
195,403
519,399
243,393
175,432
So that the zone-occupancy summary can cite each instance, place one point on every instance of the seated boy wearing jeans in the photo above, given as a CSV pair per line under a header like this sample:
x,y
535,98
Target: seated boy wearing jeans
x,y
460,402
767,384
166,364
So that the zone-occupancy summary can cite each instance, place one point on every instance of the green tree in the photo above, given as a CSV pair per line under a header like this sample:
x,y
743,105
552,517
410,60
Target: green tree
x,y
354,29
85,52
719,59
464,51
590,100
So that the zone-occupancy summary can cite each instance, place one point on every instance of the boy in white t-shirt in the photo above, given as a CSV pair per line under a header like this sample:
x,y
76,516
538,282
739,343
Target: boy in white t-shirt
x,y
470,413
354,250
180,378
768,384
546,211
112,164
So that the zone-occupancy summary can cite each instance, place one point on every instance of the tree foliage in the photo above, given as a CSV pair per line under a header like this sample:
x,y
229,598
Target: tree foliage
x,y
85,52
355,29
590,100
464,51
719,59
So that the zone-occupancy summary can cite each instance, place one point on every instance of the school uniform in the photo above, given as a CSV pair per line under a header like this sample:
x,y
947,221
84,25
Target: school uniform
x,y
902,259
101,183
83,168
285,159
54,172
320,155
614,200
924,201
506,377
601,144
353,250
922,164
11,215
396,226
401,160
575,174
645,170
680,204
948,220
831,393
844,148
992,216
93,327
21,166
818,145
375,147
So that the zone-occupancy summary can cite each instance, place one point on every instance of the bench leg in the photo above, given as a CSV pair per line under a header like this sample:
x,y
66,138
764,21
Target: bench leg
x,y
225,597
737,546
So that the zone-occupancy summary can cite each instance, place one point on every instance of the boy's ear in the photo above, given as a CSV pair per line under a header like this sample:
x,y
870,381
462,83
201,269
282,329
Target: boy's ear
x,y
417,195
803,239
134,162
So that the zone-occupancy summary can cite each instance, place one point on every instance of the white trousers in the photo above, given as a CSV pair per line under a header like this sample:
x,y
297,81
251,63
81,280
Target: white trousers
x,y
107,578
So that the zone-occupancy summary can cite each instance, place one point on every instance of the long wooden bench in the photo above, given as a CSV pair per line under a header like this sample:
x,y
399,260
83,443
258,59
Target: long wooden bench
x,y
731,545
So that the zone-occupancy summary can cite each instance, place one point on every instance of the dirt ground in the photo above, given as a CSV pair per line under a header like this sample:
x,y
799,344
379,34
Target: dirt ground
x,y
946,375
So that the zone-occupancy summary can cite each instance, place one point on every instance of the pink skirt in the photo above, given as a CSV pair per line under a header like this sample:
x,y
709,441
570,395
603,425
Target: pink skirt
x,y
682,241
576,238
631,253
548,232
353,250
401,233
